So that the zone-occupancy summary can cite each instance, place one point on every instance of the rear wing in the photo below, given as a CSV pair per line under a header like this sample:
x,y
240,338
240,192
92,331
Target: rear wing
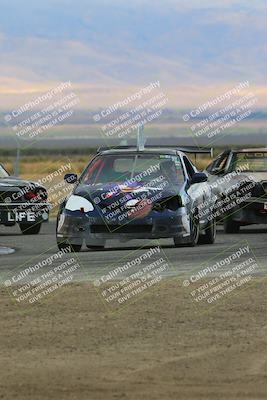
x,y
197,150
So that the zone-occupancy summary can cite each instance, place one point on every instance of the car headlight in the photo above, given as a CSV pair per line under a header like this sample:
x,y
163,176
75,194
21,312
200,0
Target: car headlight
x,y
78,203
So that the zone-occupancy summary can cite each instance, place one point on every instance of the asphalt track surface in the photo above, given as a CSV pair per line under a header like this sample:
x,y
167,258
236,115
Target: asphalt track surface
x,y
29,250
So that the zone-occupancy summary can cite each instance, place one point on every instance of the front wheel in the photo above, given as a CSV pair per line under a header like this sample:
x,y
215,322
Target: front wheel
x,y
28,229
210,234
193,237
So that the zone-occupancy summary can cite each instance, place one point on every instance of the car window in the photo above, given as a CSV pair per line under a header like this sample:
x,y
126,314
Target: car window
x,y
121,165
251,161
3,172
141,168
210,166
172,170
218,165
142,163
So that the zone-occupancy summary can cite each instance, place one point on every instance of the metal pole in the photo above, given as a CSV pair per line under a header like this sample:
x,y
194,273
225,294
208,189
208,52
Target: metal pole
x,y
17,162
141,138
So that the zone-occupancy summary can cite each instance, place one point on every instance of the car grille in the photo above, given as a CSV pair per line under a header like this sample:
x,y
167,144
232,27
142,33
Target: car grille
x,y
127,228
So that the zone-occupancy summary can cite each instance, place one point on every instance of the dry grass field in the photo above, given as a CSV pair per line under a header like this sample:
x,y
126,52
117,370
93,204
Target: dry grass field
x,y
36,167
161,347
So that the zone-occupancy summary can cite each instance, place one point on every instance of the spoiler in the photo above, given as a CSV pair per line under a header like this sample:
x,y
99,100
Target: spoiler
x,y
197,150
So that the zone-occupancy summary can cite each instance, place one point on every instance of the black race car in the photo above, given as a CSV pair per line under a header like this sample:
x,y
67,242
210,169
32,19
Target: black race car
x,y
128,193
23,203
239,181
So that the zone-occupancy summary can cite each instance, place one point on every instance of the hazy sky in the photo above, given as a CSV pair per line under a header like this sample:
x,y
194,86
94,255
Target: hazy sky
x,y
108,48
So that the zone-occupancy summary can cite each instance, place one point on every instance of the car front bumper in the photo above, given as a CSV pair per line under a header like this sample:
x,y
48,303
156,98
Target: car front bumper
x,y
76,227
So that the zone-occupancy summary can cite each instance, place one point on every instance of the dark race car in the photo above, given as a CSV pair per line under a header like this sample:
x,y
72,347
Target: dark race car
x,y
23,203
132,194
239,180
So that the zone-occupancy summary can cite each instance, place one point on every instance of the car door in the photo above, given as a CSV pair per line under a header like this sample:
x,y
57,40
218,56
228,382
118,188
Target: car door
x,y
200,194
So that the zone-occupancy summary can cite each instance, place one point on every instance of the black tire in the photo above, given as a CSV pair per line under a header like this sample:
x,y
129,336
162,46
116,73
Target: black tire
x,y
194,235
10,224
95,247
74,248
210,234
231,226
28,229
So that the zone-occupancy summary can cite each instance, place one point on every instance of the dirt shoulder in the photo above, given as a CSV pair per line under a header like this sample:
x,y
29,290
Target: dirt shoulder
x,y
160,347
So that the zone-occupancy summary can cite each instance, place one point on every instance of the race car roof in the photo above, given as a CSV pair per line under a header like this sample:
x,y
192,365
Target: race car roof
x,y
134,150
155,150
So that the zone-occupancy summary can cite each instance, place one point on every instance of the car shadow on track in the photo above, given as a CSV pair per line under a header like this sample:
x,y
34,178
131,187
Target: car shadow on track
x,y
250,231
136,247
3,235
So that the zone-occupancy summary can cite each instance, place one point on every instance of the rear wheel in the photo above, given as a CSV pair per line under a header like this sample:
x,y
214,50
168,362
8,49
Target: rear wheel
x,y
231,226
28,229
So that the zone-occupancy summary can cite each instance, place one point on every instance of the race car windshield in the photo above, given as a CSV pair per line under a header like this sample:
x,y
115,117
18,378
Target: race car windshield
x,y
3,172
135,168
251,162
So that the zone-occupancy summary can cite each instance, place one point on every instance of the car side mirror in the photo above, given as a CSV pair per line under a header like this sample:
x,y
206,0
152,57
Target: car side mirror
x,y
71,178
199,177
